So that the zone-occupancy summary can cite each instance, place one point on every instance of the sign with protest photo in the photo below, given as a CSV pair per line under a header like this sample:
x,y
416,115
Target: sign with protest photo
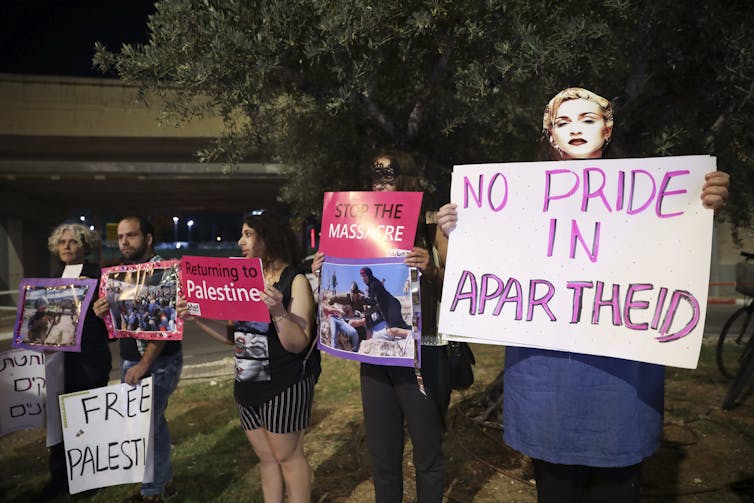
x,y
369,224
51,313
107,435
603,257
22,390
369,310
142,300
224,288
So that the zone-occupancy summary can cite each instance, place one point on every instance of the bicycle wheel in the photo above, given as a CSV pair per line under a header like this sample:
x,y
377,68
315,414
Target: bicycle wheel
x,y
740,383
733,341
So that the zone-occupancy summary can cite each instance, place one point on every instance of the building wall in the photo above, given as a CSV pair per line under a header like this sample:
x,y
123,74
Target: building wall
x,y
72,106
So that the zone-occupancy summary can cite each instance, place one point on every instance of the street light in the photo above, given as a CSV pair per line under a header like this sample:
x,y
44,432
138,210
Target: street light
x,y
175,228
190,224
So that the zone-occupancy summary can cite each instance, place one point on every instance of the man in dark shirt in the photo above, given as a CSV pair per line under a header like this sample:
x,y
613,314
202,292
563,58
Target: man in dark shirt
x,y
163,360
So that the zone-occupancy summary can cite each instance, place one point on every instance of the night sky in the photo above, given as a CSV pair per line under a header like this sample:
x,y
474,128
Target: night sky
x,y
56,37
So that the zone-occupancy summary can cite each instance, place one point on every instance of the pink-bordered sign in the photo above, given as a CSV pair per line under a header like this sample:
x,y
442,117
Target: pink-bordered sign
x,y
369,224
142,299
224,288
51,313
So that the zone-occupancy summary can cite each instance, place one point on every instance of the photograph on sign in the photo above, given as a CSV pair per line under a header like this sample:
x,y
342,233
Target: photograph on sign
x,y
50,313
142,300
369,310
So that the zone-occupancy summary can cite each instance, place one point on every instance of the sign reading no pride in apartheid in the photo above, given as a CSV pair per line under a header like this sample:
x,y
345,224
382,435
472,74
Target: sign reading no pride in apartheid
x,y
603,257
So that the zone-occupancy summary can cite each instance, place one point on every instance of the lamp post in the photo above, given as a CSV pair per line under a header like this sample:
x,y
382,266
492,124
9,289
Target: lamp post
x,y
190,224
175,228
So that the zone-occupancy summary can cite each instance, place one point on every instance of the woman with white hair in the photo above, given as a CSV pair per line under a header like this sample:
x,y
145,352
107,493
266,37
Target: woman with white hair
x,y
71,243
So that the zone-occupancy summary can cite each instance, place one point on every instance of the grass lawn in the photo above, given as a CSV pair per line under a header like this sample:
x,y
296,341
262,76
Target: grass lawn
x,y
706,456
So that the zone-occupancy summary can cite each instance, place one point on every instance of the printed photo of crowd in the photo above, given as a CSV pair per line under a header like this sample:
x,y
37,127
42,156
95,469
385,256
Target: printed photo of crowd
x,y
143,300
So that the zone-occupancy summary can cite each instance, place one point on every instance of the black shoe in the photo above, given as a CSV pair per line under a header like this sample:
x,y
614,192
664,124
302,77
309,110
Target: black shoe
x,y
169,491
51,491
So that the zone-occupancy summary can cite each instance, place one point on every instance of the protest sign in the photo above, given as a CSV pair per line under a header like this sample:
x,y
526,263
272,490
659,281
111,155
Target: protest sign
x,y
603,257
369,224
107,435
142,300
51,313
224,288
22,390
375,316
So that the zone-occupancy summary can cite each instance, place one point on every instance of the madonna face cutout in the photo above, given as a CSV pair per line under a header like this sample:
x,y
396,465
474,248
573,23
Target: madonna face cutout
x,y
579,130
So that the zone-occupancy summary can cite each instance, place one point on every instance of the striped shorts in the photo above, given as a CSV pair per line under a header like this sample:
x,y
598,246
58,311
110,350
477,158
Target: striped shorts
x,y
288,411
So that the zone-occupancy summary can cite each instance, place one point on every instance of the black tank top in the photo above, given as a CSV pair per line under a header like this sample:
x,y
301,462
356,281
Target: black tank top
x,y
263,367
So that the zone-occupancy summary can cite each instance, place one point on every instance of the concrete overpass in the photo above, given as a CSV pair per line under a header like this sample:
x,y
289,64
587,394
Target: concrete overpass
x,y
71,145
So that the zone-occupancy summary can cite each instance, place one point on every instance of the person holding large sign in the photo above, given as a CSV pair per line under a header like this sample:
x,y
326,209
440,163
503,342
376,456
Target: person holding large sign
x,y
276,363
392,394
587,421
71,243
163,360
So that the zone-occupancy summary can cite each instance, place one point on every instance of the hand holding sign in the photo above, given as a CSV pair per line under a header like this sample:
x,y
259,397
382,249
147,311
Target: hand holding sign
x,y
715,189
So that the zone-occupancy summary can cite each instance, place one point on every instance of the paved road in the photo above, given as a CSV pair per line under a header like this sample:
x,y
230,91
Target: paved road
x,y
200,352
203,356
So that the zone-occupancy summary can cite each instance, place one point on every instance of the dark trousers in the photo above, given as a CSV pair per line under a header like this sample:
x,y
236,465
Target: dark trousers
x,y
391,394
577,483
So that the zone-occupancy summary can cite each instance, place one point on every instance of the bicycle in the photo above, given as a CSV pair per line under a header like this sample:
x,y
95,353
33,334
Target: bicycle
x,y
735,347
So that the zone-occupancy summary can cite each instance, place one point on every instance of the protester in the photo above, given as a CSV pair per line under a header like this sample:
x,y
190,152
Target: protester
x,y
276,363
346,315
90,368
39,323
391,394
163,360
587,421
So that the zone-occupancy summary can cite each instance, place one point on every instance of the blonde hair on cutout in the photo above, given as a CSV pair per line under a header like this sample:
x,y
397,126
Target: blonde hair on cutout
x,y
574,93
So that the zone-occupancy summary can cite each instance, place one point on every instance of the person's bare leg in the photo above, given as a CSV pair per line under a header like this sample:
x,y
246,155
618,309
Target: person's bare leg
x,y
288,450
272,477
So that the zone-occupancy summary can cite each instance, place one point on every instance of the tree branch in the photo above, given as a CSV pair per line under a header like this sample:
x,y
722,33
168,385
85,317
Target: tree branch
x,y
414,120
374,112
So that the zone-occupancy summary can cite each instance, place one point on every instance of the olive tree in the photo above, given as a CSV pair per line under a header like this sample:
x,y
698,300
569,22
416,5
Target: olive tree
x,y
323,85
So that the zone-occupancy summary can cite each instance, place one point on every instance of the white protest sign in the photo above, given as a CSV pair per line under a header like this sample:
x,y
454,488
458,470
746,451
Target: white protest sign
x,y
22,390
107,434
603,257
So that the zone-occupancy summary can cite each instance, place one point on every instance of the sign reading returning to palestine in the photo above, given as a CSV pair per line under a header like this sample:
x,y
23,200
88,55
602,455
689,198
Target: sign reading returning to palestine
x,y
224,288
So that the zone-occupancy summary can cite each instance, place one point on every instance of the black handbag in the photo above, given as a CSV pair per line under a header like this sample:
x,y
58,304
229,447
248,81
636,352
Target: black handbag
x,y
460,359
